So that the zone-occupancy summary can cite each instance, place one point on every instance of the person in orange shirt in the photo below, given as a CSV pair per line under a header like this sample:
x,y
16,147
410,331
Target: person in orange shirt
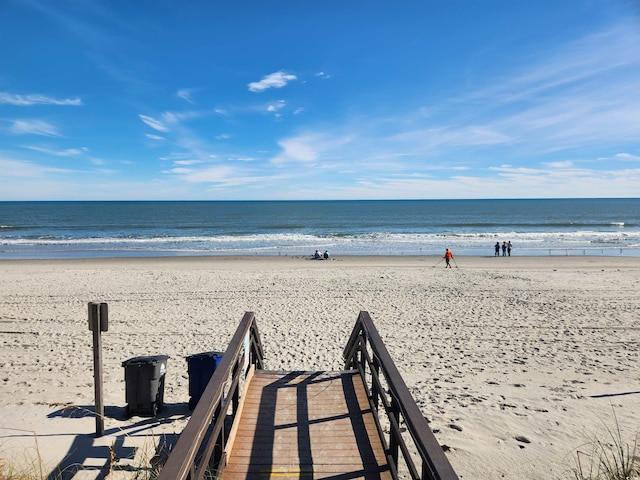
x,y
448,255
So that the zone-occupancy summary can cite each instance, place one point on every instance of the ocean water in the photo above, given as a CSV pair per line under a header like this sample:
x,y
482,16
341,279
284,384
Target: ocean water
x,y
42,230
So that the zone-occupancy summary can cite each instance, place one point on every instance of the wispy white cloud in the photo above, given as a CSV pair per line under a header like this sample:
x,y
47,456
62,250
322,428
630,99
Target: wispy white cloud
x,y
452,135
17,168
175,157
153,123
69,152
151,136
273,80
33,127
177,117
562,164
627,157
569,66
296,150
37,99
510,183
186,94
311,147
103,33
276,107
78,19
191,146
26,169
567,100
582,93
224,175
187,162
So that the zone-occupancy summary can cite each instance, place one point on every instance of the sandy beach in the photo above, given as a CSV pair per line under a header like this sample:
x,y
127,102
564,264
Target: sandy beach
x,y
517,362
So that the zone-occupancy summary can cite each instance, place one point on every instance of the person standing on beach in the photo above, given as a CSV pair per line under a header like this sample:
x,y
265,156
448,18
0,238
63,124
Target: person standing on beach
x,y
447,258
497,249
509,248
504,249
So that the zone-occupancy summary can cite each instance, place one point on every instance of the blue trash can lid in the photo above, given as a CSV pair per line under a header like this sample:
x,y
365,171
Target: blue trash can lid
x,y
204,355
146,360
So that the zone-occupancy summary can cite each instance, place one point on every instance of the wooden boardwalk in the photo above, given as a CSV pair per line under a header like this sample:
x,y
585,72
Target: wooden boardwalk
x,y
306,425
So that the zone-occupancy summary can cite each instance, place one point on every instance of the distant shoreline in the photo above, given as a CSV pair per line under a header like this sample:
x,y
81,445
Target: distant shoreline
x,y
298,261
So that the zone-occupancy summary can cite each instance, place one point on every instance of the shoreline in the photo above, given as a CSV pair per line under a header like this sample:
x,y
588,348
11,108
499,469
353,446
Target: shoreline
x,y
495,351
610,252
461,261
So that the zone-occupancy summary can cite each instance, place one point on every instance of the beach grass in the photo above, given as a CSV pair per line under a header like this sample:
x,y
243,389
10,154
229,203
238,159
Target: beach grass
x,y
609,458
29,465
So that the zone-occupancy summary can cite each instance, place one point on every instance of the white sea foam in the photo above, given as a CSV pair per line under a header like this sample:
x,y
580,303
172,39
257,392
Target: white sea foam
x,y
364,244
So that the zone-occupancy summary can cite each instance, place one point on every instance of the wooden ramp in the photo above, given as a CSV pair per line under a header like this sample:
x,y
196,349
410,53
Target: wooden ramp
x,y
306,425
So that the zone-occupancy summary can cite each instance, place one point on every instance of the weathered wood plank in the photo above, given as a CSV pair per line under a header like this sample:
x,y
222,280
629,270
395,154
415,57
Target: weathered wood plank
x,y
306,425
261,472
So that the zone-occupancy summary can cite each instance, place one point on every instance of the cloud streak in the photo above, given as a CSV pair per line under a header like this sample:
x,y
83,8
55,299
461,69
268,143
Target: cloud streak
x,y
186,94
69,152
37,99
153,123
33,127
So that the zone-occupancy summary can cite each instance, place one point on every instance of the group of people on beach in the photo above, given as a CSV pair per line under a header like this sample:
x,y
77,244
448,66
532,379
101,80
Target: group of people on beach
x,y
318,256
506,249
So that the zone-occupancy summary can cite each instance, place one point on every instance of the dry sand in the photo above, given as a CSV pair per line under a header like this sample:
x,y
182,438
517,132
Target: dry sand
x,y
516,362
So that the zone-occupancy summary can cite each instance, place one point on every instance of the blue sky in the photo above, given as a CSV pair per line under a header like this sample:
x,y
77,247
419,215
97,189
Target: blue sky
x,y
235,100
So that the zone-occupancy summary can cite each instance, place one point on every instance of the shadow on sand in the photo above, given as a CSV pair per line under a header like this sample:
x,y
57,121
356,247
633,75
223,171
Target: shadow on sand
x,y
100,456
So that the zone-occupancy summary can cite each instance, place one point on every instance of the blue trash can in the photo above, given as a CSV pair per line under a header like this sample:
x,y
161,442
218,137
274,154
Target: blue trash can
x,y
144,379
200,368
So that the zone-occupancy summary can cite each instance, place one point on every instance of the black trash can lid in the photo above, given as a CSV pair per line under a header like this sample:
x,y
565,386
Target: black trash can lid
x,y
204,355
153,359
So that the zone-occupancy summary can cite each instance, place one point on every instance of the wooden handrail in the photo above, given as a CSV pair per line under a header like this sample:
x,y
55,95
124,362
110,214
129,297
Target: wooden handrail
x,y
200,448
192,457
397,402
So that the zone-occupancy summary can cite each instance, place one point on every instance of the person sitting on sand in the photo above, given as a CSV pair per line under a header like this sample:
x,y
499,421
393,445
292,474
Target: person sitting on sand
x,y
316,255
326,254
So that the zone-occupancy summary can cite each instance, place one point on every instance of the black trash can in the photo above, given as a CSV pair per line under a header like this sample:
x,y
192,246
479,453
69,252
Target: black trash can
x,y
144,379
200,367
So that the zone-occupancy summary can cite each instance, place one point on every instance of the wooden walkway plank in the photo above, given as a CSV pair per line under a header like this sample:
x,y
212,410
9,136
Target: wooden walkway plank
x,y
307,425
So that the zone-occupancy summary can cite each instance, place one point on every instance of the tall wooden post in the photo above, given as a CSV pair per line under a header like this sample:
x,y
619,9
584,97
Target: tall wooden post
x,y
393,439
98,323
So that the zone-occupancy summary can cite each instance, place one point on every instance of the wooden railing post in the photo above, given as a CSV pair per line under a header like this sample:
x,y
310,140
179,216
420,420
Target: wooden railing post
x,y
219,445
375,393
393,439
235,399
